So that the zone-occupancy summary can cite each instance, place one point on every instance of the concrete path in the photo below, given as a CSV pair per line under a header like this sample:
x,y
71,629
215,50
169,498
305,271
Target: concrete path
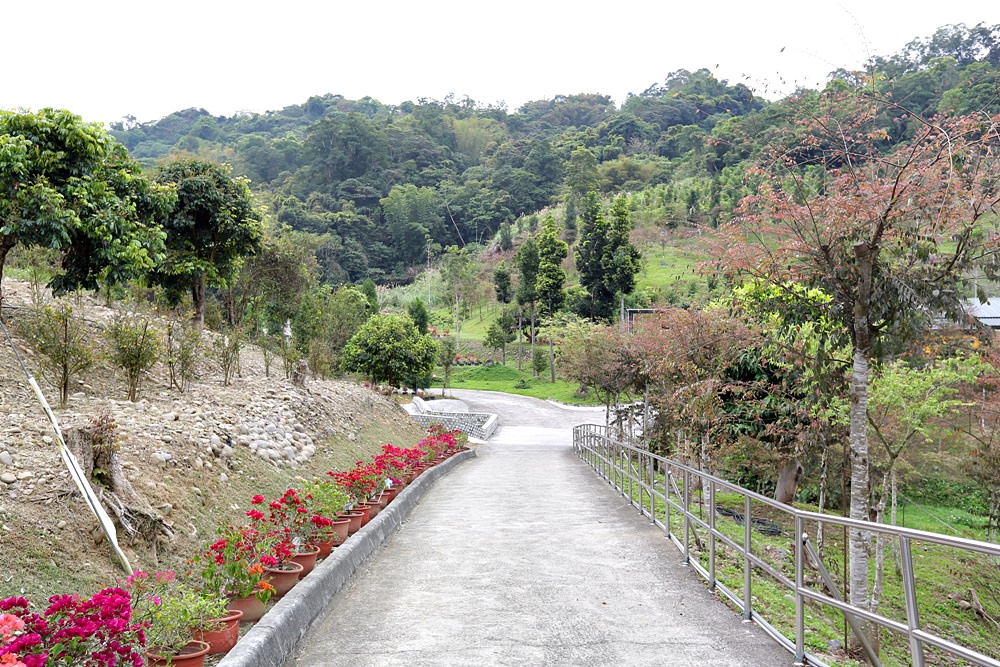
x,y
523,556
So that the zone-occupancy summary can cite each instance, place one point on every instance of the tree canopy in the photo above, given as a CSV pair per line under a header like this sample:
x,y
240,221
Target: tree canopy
x,y
213,225
894,236
389,349
68,185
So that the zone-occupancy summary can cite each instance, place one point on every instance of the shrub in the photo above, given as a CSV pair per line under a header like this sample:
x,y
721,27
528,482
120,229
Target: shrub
x,y
135,348
539,361
226,351
61,339
183,347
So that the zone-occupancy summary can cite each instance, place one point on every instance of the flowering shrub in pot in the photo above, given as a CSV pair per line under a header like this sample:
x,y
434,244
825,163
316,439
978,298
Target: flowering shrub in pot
x,y
293,518
72,631
233,566
328,499
393,463
171,610
360,482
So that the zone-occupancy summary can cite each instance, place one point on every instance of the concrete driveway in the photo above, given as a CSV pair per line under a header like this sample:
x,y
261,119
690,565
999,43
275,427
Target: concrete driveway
x,y
523,556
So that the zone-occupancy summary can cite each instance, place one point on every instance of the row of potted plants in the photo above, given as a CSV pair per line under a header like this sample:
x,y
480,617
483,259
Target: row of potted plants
x,y
165,618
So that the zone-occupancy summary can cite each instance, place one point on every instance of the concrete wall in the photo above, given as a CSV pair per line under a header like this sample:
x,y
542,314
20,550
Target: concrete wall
x,y
477,424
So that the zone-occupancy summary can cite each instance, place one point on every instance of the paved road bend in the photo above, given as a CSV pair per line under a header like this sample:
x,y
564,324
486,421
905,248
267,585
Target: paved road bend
x,y
523,556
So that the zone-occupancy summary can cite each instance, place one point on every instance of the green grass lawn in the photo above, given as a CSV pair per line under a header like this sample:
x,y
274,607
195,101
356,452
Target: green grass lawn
x,y
512,381
473,327
670,274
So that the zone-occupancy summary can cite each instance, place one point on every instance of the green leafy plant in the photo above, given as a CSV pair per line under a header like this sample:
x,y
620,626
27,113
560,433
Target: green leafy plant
x,y
135,348
226,351
183,347
326,497
61,340
172,609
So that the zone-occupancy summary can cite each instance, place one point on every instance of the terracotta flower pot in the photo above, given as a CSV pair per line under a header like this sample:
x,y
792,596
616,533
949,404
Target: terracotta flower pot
x,y
325,547
365,512
356,521
222,640
283,577
192,655
391,493
306,557
339,529
374,507
251,607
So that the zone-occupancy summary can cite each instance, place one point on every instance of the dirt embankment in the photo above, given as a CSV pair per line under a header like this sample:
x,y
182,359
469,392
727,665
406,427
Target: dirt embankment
x,y
193,458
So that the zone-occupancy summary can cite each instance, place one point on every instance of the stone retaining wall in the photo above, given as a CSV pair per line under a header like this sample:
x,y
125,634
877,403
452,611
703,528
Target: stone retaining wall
x,y
476,424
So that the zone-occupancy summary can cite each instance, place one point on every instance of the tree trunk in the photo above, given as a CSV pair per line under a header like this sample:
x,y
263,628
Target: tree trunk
x,y
788,481
64,369
858,539
533,372
880,539
6,243
823,470
198,301
520,340
552,361
458,321
229,298
100,463
896,557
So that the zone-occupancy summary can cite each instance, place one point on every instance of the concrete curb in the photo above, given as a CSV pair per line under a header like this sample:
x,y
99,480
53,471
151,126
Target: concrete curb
x,y
271,641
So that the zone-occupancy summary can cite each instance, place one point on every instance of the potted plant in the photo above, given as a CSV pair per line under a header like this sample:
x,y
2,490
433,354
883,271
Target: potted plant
x,y
172,610
329,500
73,630
293,518
357,482
222,633
393,464
234,567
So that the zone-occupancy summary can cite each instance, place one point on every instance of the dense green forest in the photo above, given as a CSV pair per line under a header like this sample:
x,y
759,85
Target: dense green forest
x,y
382,187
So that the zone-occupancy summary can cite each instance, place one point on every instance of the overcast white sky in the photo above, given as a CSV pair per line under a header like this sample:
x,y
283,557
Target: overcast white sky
x,y
105,59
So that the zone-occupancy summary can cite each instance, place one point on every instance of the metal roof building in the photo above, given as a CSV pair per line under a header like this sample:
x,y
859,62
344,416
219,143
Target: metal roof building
x,y
987,313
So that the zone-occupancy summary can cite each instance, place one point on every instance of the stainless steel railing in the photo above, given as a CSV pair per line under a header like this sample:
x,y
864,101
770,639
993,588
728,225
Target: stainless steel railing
x,y
682,501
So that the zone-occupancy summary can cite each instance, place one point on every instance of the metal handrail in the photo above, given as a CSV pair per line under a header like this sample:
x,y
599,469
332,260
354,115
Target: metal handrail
x,y
632,471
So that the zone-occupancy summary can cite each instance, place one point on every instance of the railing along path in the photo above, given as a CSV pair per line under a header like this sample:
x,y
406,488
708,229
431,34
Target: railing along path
x,y
664,490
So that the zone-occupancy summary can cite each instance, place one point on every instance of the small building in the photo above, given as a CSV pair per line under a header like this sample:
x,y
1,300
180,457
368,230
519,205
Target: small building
x,y
988,314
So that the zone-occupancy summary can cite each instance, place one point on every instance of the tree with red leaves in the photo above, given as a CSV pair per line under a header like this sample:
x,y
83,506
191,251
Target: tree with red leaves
x,y
896,234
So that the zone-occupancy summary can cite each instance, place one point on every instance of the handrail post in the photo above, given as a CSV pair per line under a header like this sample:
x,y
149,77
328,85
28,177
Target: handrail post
x,y
687,521
711,533
857,627
747,564
800,622
666,498
628,472
651,478
910,595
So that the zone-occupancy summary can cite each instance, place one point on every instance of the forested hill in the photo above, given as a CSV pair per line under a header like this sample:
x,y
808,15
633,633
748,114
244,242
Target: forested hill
x,y
379,187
